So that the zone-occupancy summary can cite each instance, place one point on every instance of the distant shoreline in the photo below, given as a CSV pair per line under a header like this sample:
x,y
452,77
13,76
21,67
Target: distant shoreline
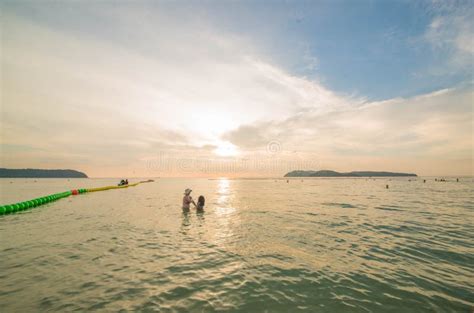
x,y
328,173
40,173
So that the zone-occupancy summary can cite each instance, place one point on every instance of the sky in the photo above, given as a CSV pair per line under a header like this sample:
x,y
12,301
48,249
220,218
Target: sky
x,y
237,88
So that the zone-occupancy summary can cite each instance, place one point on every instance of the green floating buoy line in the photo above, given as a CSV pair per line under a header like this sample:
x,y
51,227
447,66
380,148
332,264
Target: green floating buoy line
x,y
25,205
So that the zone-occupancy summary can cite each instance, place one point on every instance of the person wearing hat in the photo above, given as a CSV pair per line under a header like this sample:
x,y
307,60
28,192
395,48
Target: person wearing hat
x,y
187,199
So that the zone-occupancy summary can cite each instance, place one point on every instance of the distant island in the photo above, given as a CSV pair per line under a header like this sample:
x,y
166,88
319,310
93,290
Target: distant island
x,y
327,173
39,173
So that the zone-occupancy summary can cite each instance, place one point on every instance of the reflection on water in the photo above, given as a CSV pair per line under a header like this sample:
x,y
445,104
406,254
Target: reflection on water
x,y
223,191
201,217
322,245
226,217
186,222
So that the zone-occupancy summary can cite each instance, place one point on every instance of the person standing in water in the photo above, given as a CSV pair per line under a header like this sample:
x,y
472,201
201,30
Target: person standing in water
x,y
200,203
187,199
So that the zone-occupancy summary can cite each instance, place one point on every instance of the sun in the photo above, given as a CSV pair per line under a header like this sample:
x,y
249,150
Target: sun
x,y
226,149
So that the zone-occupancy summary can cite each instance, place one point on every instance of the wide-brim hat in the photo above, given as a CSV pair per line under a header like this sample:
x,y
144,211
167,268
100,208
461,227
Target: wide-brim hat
x,y
187,191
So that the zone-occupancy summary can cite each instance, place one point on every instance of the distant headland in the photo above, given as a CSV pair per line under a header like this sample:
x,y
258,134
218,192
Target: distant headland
x,y
327,173
39,173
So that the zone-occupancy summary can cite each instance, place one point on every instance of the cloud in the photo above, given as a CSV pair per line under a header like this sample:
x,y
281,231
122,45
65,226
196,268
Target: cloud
x,y
252,136
111,90
452,31
435,126
116,96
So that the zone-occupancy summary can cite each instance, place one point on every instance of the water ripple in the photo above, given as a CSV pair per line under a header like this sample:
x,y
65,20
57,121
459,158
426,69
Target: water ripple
x,y
260,246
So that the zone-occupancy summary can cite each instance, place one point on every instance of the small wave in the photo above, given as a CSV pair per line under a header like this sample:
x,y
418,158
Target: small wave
x,y
340,205
388,208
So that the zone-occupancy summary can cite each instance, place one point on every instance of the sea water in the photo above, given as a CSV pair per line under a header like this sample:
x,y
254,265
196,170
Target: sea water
x,y
261,245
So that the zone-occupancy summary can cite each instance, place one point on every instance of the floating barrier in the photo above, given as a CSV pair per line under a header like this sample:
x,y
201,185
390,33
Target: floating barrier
x,y
25,205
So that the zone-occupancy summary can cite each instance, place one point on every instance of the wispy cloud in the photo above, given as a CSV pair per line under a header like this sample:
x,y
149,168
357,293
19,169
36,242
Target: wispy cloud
x,y
436,126
452,31
81,98
110,90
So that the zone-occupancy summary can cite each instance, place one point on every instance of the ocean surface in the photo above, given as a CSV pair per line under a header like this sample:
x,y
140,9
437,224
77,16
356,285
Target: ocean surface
x,y
312,245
